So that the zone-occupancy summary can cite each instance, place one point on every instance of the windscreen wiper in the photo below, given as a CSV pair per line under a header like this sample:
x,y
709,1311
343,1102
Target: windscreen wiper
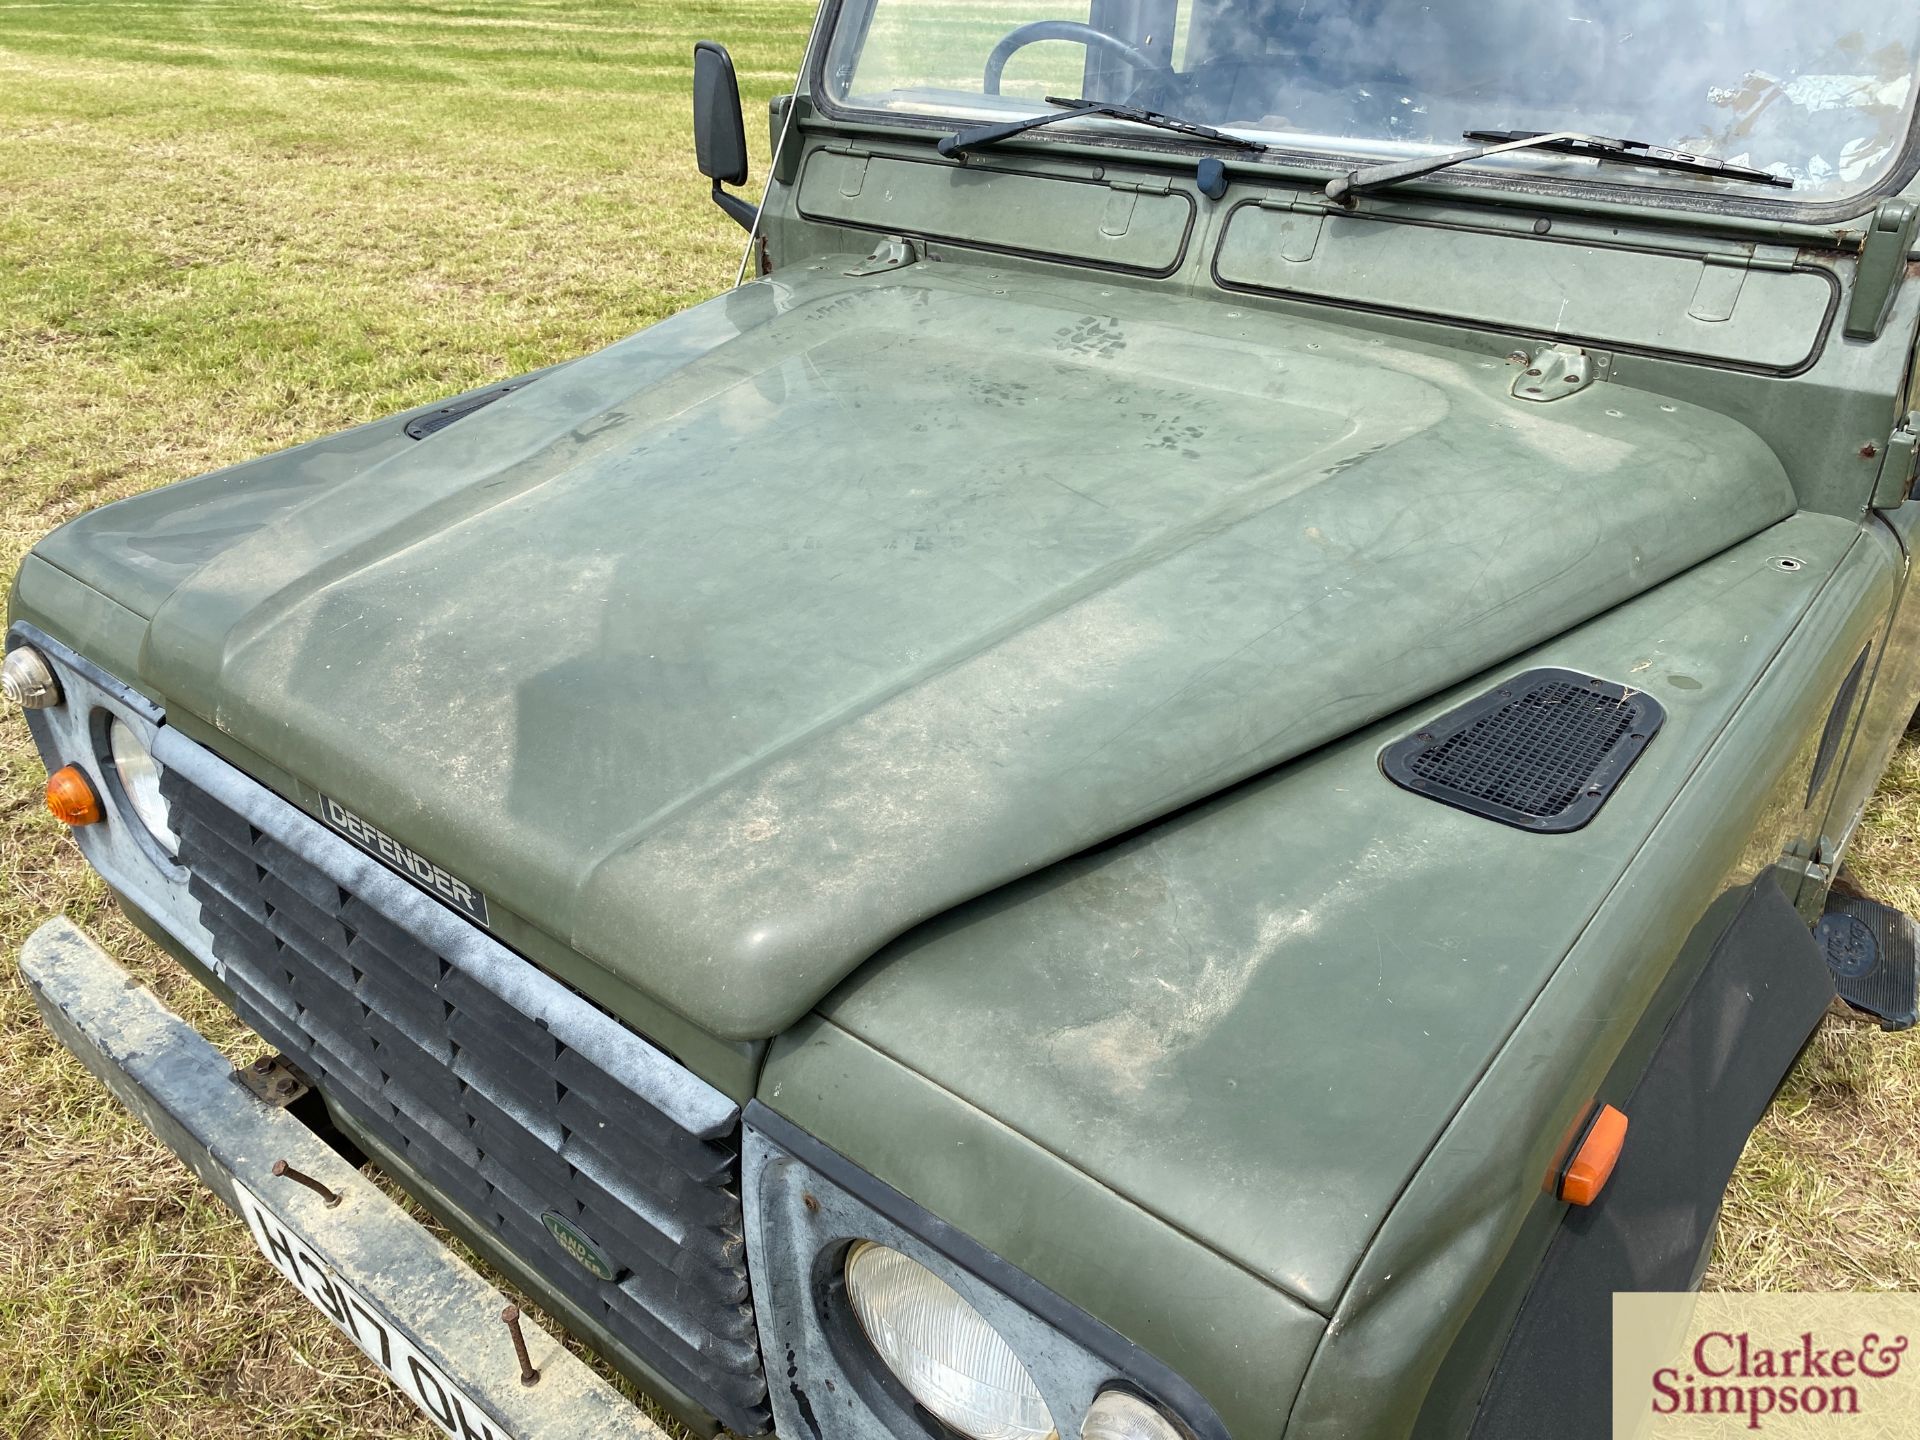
x,y
1566,142
980,135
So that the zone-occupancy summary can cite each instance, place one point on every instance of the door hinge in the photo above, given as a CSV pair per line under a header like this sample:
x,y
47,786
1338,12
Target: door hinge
x,y
1307,202
1883,260
1153,185
1895,484
1806,878
853,174
1123,198
1299,236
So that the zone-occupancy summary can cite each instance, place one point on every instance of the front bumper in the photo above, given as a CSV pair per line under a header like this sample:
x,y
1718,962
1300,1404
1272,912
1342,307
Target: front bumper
x,y
184,1090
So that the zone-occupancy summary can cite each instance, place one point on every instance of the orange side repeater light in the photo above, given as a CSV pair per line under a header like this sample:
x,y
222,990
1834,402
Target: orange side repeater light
x,y
1594,1157
70,797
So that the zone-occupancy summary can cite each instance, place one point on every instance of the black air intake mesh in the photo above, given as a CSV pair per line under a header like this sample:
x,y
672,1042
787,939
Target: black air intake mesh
x,y
1542,752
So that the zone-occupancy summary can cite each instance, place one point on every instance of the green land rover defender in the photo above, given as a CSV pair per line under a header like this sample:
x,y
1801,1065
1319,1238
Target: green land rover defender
x,y
1180,778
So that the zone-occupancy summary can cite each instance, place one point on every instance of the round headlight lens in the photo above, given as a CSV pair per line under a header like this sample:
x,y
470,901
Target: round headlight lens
x,y
140,778
942,1349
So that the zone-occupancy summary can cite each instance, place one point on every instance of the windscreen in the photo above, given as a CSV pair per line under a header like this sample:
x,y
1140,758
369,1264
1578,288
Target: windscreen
x,y
1817,91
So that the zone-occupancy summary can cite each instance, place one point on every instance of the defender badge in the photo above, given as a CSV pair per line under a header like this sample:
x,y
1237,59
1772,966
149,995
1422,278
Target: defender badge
x,y
583,1251
410,863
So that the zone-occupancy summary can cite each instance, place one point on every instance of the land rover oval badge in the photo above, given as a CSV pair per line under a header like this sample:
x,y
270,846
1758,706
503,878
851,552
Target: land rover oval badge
x,y
583,1250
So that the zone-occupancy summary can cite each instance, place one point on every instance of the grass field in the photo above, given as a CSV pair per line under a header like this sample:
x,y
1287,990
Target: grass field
x,y
231,226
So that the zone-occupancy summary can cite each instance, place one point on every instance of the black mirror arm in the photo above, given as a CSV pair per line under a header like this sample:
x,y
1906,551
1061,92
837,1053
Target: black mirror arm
x,y
742,212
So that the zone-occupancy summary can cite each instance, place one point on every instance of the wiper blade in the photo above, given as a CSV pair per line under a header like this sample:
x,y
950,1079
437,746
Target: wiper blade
x,y
982,135
1635,152
1566,142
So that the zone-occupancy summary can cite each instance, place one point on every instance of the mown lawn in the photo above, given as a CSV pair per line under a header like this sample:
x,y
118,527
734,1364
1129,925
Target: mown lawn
x,y
231,226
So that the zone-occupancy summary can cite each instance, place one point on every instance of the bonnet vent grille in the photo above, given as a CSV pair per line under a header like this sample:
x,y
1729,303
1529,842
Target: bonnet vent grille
x,y
1543,751
434,421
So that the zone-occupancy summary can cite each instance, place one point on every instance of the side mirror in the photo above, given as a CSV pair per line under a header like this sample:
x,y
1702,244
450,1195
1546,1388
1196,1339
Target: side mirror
x,y
719,131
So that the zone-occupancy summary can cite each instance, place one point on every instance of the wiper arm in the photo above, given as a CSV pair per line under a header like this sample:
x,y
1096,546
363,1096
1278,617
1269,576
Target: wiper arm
x,y
982,135
1566,142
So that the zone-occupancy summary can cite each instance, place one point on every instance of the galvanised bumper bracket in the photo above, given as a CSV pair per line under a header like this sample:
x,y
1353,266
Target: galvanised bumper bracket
x,y
182,1089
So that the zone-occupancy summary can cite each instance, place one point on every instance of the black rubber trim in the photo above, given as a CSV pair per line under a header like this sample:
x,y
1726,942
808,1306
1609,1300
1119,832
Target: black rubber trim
x,y
1132,1365
1713,1074
1541,751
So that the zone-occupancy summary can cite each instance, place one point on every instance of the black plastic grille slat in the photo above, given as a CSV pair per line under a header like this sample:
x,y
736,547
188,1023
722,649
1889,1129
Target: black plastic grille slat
x,y
488,1106
1541,752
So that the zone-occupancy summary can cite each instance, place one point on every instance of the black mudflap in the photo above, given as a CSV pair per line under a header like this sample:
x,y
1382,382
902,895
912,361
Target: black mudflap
x,y
1872,950
1713,1075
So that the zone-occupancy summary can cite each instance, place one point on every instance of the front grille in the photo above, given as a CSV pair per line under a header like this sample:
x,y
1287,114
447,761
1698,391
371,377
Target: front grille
x,y
1543,751
488,1106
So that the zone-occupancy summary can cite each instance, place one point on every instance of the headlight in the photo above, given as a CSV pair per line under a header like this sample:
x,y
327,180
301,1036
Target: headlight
x,y
942,1349
140,778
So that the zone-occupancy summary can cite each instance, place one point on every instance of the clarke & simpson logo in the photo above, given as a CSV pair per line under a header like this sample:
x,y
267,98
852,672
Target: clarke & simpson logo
x,y
1720,1365
1736,1373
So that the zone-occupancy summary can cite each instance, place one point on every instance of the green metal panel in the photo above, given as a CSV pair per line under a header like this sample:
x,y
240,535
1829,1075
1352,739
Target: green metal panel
x,y
1239,1342
837,602
1888,705
1737,307
1120,227
1256,1019
98,626
1591,1028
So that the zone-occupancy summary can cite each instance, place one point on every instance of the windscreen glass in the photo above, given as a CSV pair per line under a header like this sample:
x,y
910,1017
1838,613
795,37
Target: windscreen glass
x,y
1820,93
